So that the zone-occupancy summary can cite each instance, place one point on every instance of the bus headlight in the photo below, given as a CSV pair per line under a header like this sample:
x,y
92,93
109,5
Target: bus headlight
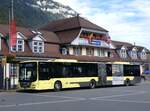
x,y
33,86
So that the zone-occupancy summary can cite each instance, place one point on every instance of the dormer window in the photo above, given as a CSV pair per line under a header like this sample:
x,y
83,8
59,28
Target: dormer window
x,y
134,54
19,47
37,43
123,53
38,46
143,55
20,44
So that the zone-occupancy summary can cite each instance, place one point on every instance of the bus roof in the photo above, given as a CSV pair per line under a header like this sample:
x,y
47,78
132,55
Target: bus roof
x,y
62,60
72,61
51,60
118,62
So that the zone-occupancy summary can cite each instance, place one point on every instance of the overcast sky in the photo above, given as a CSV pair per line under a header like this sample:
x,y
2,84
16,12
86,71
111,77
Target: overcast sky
x,y
126,20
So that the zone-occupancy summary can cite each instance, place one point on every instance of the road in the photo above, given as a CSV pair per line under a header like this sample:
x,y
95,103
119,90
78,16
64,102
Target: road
x,y
132,98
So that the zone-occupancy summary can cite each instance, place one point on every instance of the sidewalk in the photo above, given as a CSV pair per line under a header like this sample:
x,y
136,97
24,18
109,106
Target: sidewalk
x,y
145,82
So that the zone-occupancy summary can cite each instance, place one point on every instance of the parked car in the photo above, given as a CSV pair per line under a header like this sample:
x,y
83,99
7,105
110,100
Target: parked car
x,y
147,72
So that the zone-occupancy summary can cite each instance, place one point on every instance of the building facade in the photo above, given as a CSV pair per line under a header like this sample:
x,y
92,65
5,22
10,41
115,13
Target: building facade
x,y
72,38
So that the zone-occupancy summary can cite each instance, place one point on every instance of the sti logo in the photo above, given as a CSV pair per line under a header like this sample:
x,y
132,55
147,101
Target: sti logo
x,y
96,42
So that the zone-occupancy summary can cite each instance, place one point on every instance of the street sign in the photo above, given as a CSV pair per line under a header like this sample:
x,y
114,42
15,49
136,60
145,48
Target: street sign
x,y
4,61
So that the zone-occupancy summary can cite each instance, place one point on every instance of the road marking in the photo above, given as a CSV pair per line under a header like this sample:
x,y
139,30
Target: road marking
x,y
40,103
121,95
127,101
57,96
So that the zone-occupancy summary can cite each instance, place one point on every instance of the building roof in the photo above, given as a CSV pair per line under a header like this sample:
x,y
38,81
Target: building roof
x,y
50,36
4,29
68,29
129,46
66,37
120,44
63,32
72,23
140,48
47,35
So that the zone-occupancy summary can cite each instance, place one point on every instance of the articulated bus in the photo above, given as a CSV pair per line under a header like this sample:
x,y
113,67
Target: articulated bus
x,y
59,74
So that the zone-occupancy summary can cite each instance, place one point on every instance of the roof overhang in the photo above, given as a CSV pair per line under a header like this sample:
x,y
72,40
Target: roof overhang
x,y
95,31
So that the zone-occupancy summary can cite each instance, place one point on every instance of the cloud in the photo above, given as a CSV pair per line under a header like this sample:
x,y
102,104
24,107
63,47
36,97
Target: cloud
x,y
126,20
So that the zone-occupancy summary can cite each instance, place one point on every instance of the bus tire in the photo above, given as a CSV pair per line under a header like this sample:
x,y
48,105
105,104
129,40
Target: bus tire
x,y
127,82
57,86
92,84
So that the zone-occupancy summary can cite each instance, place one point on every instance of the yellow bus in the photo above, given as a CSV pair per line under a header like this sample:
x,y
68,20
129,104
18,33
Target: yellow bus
x,y
58,74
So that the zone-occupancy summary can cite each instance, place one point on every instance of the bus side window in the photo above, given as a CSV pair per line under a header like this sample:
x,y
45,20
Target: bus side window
x,y
44,71
117,70
58,70
93,70
66,71
109,69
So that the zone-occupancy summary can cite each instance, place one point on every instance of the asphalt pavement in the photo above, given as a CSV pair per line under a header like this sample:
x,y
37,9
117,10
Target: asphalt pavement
x,y
120,98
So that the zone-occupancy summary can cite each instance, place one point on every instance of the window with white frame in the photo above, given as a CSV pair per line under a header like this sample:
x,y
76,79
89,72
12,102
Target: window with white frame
x,y
90,51
64,51
19,47
38,46
123,53
134,54
101,53
77,50
143,55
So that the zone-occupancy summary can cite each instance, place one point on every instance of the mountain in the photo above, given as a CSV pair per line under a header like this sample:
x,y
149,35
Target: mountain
x,y
34,13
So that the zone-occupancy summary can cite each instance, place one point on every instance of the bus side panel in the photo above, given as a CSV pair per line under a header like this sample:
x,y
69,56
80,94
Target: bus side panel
x,y
134,80
132,73
75,82
111,81
114,80
66,82
45,84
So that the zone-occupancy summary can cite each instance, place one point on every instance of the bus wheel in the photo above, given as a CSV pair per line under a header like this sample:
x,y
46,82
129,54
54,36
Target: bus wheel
x,y
127,82
92,84
57,86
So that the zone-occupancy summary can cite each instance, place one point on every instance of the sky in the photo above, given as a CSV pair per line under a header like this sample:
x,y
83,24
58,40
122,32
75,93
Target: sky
x,y
126,20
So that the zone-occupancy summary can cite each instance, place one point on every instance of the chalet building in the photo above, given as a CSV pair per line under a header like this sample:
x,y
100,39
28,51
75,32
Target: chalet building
x,y
80,39
72,38
129,52
30,45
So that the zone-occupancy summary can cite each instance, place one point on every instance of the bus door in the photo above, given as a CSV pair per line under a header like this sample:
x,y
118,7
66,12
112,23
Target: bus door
x,y
117,74
102,74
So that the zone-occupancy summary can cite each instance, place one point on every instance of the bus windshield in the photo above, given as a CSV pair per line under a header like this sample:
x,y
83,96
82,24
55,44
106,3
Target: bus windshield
x,y
28,72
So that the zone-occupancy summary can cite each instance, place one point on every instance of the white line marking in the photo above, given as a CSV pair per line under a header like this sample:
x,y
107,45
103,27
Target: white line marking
x,y
127,101
40,103
121,95
125,91
57,96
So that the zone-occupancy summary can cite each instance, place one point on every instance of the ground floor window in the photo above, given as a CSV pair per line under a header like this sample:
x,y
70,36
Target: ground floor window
x,y
13,75
90,51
